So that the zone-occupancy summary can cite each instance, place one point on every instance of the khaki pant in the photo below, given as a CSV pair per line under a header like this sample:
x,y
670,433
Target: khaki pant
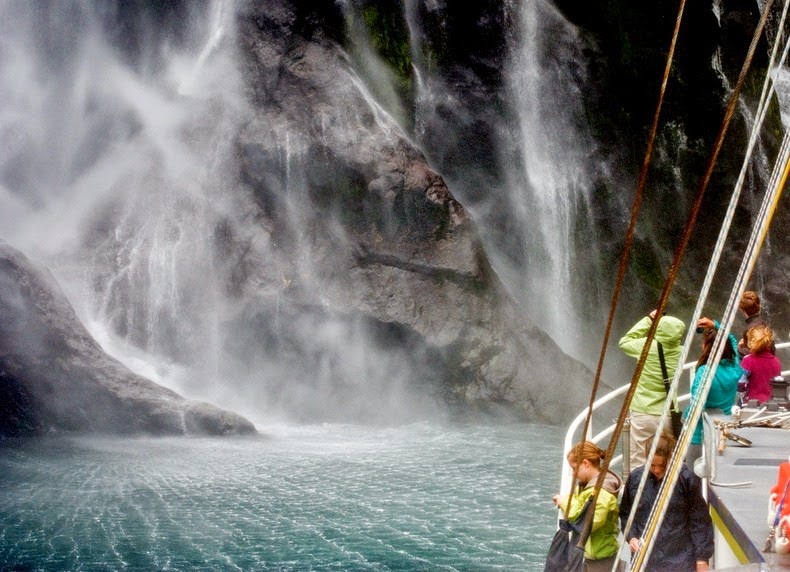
x,y
643,427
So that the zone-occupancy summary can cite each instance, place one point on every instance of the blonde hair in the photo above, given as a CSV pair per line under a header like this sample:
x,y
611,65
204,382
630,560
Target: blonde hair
x,y
587,450
759,338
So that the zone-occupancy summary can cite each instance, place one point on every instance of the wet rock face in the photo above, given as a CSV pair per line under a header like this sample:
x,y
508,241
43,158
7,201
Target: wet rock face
x,y
54,377
408,258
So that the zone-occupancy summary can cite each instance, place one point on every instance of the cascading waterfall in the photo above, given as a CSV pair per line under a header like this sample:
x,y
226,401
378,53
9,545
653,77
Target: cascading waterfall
x,y
535,220
220,21
551,185
782,85
125,146
158,273
424,93
380,80
160,246
759,170
124,165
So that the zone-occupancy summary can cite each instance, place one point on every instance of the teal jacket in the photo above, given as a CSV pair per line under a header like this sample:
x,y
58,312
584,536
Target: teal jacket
x,y
650,392
602,541
723,387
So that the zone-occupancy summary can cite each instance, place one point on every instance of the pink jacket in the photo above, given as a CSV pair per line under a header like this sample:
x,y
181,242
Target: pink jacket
x,y
761,368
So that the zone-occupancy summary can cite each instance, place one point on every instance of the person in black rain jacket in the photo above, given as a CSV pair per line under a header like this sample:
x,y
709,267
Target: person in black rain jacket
x,y
685,540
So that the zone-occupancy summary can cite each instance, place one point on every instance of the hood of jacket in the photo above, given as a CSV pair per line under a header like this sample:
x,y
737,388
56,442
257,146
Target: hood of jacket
x,y
611,483
670,331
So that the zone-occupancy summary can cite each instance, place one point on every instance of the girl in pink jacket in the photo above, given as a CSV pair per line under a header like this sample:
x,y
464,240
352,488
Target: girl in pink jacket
x,y
760,365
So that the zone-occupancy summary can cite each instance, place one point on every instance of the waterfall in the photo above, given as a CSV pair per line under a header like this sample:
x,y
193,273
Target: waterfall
x,y
381,84
551,182
124,129
113,167
782,86
219,22
758,173
205,187
534,208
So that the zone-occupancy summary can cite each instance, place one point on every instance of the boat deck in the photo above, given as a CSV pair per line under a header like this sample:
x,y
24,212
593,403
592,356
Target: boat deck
x,y
740,488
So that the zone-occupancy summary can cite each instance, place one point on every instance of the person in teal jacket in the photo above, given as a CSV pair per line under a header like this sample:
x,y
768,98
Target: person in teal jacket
x,y
600,549
724,385
647,404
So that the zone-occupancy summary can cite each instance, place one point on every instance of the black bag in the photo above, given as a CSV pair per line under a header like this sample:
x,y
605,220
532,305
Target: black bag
x,y
677,422
676,417
565,553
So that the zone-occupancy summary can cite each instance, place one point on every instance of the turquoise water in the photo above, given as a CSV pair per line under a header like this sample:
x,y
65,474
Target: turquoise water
x,y
418,497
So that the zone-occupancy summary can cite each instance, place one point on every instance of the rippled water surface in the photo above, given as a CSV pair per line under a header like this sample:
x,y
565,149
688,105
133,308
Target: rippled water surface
x,y
419,497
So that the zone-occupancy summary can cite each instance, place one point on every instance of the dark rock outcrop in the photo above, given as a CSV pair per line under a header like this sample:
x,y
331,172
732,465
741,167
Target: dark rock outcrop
x,y
54,377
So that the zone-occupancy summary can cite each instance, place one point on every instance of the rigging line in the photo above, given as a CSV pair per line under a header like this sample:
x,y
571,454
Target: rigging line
x,y
767,90
629,239
757,238
685,239
660,506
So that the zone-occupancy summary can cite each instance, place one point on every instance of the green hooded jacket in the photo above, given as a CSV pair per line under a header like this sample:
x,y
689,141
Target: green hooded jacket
x,y
650,392
602,541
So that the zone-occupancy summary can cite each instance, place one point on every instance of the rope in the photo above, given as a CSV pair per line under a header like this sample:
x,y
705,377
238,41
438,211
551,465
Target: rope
x,y
629,239
770,203
767,90
683,244
747,265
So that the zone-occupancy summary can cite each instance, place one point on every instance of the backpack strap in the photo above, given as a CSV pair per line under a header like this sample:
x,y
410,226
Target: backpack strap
x,y
664,368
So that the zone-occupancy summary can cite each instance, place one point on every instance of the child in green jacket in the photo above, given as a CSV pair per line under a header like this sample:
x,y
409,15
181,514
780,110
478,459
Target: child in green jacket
x,y
600,550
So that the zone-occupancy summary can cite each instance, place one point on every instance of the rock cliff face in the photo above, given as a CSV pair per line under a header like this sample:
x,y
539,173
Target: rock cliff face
x,y
391,244
328,272
414,255
330,237
54,377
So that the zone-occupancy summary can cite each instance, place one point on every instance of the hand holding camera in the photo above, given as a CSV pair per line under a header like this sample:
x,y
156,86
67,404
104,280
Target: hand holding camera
x,y
704,324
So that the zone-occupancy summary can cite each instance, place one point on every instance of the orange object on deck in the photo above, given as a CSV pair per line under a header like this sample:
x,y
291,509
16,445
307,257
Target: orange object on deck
x,y
780,496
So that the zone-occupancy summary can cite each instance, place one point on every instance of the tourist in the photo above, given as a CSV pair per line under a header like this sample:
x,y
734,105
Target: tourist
x,y
761,366
647,404
601,547
685,539
723,386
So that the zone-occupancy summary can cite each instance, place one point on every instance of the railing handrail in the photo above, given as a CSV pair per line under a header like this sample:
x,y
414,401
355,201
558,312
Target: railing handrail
x,y
570,438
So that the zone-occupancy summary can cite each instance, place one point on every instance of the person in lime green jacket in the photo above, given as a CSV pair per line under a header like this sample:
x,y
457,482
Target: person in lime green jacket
x,y
600,550
647,404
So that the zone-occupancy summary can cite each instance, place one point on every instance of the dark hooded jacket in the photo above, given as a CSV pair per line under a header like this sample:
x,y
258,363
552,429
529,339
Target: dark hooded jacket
x,y
686,534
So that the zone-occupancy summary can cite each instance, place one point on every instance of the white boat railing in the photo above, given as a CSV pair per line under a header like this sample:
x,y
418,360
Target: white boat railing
x,y
571,438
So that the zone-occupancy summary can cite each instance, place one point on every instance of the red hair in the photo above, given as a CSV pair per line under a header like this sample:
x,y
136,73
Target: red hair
x,y
586,450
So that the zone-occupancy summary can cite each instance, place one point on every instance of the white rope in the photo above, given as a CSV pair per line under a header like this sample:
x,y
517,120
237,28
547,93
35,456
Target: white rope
x,y
767,91
755,242
737,485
